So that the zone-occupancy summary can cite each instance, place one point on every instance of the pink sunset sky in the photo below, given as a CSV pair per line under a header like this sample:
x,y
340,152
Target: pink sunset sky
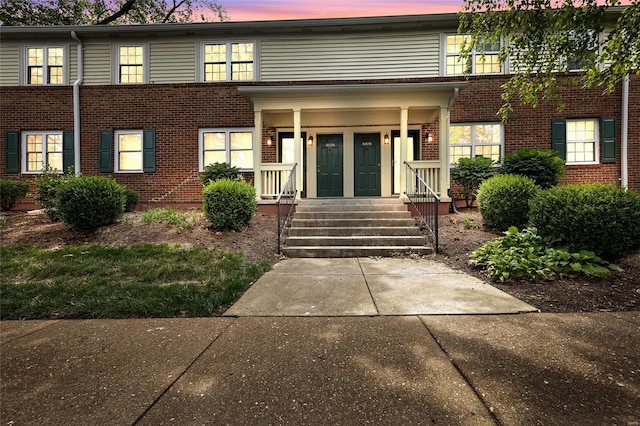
x,y
258,10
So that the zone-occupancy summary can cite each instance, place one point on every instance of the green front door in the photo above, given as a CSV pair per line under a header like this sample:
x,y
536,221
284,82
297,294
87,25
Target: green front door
x,y
329,150
367,164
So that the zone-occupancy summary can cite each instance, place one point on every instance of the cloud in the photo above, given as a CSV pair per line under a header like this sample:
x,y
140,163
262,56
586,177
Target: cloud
x,y
250,10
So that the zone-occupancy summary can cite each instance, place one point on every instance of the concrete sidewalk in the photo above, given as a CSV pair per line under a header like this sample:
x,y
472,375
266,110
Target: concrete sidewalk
x,y
371,286
347,342
560,369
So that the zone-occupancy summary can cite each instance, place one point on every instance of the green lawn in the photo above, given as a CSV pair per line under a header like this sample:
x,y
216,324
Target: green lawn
x,y
143,280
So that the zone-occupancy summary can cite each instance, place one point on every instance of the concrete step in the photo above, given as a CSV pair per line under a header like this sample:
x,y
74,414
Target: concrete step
x,y
351,231
340,214
360,207
348,251
349,223
359,240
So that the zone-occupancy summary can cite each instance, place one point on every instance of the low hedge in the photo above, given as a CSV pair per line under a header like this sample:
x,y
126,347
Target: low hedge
x,y
602,218
12,191
229,204
503,201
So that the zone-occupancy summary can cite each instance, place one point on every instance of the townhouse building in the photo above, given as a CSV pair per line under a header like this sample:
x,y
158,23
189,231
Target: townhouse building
x,y
351,101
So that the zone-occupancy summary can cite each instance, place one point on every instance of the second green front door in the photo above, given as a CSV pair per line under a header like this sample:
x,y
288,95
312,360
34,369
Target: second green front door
x,y
330,166
367,164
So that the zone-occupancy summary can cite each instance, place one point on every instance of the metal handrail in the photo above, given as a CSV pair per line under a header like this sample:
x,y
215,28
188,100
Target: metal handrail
x,y
425,201
288,195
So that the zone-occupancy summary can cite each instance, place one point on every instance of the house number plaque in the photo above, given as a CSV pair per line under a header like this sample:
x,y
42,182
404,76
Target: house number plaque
x,y
367,143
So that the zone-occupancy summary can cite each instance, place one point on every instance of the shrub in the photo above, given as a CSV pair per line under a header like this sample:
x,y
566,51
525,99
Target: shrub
x,y
217,171
503,201
597,217
12,191
470,173
47,185
526,255
130,200
542,165
229,204
90,202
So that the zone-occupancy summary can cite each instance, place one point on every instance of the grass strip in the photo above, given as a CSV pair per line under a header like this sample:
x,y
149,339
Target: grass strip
x,y
139,281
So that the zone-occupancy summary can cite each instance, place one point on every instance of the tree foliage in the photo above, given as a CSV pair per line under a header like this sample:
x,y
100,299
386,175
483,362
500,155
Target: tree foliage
x,y
542,40
101,12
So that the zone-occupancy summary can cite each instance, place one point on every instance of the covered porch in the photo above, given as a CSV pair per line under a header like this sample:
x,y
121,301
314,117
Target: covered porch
x,y
352,140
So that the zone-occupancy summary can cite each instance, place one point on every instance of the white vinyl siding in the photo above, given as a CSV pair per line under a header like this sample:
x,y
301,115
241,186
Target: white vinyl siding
x,y
97,64
350,57
9,64
172,62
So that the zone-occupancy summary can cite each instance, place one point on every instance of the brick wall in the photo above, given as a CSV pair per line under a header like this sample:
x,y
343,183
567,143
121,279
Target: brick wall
x,y
176,112
531,128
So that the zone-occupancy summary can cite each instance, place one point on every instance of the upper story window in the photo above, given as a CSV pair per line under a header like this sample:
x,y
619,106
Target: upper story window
x,y
470,140
231,146
131,64
584,43
45,65
41,149
228,61
483,60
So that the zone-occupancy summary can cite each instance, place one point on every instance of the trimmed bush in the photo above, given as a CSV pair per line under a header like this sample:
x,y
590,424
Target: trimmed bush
x,y
470,173
12,191
601,218
130,200
47,185
229,204
503,201
542,165
90,202
217,171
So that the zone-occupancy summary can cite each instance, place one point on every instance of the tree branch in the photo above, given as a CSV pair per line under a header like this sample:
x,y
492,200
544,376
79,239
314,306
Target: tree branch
x,y
123,11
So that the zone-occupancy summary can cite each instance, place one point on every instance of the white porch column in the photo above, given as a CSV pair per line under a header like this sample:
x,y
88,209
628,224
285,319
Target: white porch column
x,y
257,153
404,136
297,148
444,153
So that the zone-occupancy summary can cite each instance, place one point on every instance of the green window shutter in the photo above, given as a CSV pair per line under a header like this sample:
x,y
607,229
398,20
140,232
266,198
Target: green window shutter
x,y
559,137
608,140
106,151
149,151
68,152
12,143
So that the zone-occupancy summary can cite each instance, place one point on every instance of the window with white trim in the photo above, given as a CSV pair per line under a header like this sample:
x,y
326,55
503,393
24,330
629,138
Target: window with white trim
x,y
129,154
131,61
40,150
582,141
45,65
228,61
484,59
584,43
231,146
471,140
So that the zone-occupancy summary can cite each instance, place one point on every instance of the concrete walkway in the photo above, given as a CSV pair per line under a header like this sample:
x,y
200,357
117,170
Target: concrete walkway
x,y
371,286
409,369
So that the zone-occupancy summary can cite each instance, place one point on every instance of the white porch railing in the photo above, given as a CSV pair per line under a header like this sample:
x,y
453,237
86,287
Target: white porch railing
x,y
428,171
273,178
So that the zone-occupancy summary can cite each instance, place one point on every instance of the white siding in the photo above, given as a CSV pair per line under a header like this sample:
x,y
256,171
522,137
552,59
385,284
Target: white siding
x,y
9,64
350,57
172,62
97,63
72,63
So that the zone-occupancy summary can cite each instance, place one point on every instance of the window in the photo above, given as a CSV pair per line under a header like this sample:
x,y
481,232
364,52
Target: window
x,y
286,146
470,140
581,141
228,61
231,146
131,64
583,43
577,141
484,59
45,65
42,149
129,151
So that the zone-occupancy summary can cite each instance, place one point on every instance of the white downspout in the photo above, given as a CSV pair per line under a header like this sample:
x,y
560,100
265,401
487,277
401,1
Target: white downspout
x,y
76,104
624,139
